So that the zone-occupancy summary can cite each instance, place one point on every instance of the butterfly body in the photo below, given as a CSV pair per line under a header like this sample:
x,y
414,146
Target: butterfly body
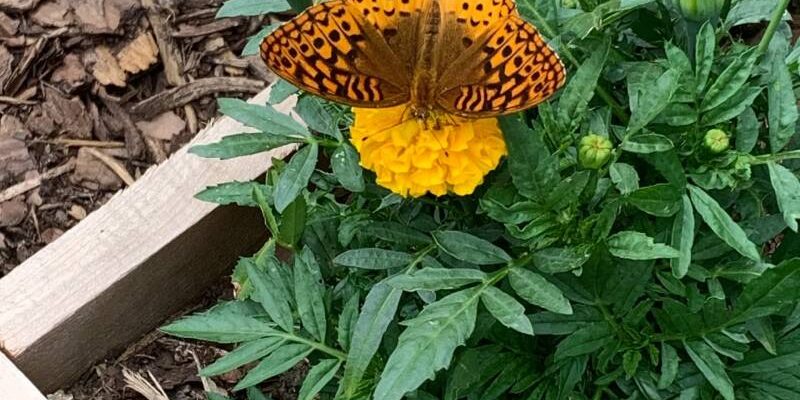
x,y
471,58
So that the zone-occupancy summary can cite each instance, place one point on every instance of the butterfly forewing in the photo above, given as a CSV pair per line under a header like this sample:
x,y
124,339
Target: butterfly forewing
x,y
332,51
510,70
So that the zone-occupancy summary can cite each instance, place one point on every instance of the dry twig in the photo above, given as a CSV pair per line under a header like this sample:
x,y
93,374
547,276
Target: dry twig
x,y
115,165
184,94
33,183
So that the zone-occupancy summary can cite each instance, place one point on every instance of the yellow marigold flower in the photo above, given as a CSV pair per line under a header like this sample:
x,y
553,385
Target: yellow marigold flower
x,y
412,157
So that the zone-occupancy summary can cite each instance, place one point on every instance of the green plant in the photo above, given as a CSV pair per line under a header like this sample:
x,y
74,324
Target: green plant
x,y
668,270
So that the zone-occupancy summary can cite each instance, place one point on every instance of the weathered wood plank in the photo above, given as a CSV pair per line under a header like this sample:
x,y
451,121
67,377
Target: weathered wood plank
x,y
13,384
137,260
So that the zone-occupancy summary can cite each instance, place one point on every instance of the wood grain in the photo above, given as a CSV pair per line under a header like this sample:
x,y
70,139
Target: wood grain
x,y
14,385
142,257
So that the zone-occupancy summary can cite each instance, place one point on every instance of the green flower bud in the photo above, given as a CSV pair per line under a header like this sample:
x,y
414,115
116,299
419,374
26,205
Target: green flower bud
x,y
594,151
701,10
570,3
717,141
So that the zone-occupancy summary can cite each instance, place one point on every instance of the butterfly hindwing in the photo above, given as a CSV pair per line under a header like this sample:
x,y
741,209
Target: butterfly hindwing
x,y
510,70
332,51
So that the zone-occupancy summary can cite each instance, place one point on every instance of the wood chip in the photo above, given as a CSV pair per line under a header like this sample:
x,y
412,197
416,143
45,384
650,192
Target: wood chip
x,y
103,16
113,164
106,68
184,94
71,74
6,61
15,160
139,54
50,235
70,114
188,31
8,26
163,127
53,14
34,182
92,173
18,5
77,212
12,213
12,127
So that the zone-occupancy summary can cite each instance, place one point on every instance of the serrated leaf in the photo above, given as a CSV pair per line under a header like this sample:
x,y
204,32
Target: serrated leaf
x,y
787,192
730,81
428,343
318,376
654,100
280,361
253,47
762,331
669,366
240,8
581,88
244,354
683,238
507,310
243,144
396,233
528,158
766,294
711,367
281,89
377,313
747,130
661,200
293,222
309,293
295,177
624,177
375,259
584,341
638,246
437,279
219,328
561,259
706,45
647,143
346,168
266,291
347,322
239,193
537,290
312,112
469,248
732,107
722,224
264,118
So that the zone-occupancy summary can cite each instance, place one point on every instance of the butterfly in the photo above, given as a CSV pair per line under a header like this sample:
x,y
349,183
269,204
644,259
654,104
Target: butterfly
x,y
471,58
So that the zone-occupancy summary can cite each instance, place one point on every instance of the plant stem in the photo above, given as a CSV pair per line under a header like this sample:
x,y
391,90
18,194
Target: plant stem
x,y
616,107
316,345
766,158
777,16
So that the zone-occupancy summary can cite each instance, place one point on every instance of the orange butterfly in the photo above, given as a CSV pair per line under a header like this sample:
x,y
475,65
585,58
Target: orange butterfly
x,y
470,58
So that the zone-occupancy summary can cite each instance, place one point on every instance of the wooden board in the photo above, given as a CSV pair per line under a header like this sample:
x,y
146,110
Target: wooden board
x,y
145,255
13,384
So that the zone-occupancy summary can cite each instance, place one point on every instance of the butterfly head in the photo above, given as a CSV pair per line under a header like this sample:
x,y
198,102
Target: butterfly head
x,y
430,118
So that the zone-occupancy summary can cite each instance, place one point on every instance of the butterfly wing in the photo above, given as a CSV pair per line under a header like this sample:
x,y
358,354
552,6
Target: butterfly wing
x,y
331,50
506,69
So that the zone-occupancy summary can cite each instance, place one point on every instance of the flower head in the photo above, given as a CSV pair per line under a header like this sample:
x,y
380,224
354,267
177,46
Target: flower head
x,y
444,154
594,151
717,141
701,10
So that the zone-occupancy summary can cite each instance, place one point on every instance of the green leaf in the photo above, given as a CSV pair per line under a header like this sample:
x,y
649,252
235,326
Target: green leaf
x,y
264,118
345,163
396,233
532,171
730,81
256,394
647,144
243,144
317,378
747,130
561,259
654,100
428,343
295,177
466,247
266,292
683,238
638,246
711,367
761,329
244,354
722,224
766,294
377,313
280,361
215,396
262,196
300,5
281,89
240,8
732,107
437,279
253,47
347,322
624,177
309,293
669,366
751,11
314,114
630,362
239,193
293,222
376,259
537,290
219,328
584,341
576,95
661,200
706,45
787,191
782,112
506,309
